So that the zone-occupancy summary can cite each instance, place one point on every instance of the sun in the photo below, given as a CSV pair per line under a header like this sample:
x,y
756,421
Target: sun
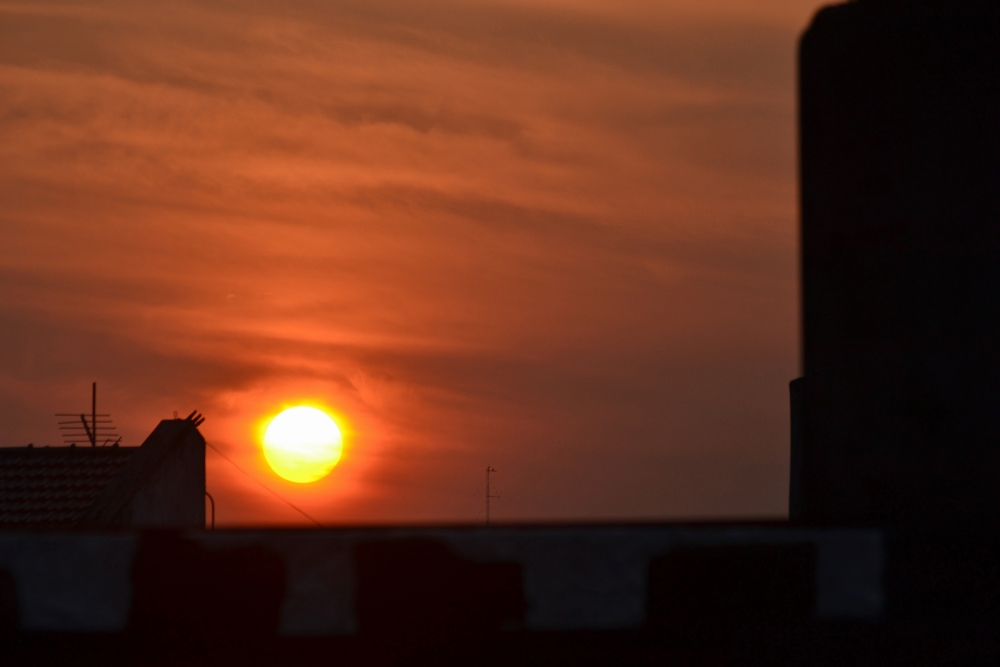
x,y
302,444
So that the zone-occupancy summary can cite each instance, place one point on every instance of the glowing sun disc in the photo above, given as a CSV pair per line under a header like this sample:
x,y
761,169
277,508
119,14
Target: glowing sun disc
x,y
302,444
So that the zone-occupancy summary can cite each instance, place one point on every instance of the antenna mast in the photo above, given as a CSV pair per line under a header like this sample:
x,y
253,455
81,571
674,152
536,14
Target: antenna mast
x,y
91,427
488,494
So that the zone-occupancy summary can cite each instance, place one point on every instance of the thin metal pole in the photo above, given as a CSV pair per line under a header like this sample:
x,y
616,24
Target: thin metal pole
x,y
212,500
488,494
93,415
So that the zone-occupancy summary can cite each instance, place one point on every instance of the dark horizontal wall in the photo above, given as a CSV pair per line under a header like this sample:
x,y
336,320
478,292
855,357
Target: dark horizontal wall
x,y
728,594
900,160
353,581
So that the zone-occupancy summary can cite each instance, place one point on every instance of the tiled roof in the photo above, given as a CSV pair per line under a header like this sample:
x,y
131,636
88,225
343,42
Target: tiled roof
x,y
52,487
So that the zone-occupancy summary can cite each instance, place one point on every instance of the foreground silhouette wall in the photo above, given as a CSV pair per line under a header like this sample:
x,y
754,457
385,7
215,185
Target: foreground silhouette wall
x,y
435,595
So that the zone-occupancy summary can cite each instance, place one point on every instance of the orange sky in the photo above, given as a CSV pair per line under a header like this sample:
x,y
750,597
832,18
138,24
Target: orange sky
x,y
555,237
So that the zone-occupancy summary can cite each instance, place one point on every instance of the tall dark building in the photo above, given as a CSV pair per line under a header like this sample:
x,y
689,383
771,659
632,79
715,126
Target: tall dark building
x,y
900,160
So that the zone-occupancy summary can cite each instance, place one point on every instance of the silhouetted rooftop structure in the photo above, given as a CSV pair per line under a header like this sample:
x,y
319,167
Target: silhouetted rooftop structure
x,y
161,483
53,487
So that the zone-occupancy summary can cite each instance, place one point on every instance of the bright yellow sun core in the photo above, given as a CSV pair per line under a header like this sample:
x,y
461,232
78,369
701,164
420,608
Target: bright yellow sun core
x,y
302,444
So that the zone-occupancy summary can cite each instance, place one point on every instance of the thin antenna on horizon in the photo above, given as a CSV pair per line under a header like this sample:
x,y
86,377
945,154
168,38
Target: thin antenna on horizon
x,y
488,494
90,426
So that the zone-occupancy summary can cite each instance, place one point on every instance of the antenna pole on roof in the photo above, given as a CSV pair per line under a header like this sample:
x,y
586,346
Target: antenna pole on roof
x,y
79,426
488,494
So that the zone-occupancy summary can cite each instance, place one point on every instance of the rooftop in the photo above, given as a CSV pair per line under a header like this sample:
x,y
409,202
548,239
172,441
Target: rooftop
x,y
53,487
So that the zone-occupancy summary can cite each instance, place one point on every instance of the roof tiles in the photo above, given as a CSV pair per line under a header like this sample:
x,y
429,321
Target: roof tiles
x,y
52,487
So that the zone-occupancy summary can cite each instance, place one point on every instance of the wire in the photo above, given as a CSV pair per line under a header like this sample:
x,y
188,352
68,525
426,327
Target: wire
x,y
265,487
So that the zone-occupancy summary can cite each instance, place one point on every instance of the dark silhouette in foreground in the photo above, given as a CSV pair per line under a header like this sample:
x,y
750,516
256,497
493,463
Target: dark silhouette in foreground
x,y
417,601
890,557
188,601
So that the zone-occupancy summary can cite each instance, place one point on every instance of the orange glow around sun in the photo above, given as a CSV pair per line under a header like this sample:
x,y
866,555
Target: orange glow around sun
x,y
302,444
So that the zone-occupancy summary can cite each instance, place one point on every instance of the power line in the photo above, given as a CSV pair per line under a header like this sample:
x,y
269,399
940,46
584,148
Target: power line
x,y
265,487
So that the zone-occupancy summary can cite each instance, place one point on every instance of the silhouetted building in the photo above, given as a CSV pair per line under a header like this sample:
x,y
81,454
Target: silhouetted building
x,y
159,484
900,157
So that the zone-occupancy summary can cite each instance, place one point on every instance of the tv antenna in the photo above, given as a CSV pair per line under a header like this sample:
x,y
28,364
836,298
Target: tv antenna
x,y
488,494
99,426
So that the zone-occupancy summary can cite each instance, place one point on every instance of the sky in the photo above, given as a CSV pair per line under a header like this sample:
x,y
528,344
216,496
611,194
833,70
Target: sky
x,y
556,238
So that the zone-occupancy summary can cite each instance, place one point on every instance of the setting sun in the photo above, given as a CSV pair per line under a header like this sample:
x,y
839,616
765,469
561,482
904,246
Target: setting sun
x,y
302,444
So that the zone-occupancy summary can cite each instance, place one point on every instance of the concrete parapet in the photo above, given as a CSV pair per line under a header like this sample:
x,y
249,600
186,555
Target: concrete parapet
x,y
569,577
